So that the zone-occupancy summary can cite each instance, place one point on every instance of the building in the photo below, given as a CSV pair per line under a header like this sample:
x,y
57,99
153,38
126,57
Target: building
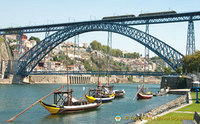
x,y
50,66
11,37
85,45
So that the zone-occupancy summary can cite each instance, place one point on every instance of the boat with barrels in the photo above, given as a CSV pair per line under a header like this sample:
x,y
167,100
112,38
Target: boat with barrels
x,y
64,102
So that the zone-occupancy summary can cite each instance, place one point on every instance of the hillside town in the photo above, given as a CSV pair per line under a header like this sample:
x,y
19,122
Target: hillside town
x,y
79,53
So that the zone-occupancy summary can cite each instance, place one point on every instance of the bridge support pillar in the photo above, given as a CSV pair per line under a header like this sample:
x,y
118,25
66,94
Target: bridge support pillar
x,y
146,49
17,79
190,46
19,42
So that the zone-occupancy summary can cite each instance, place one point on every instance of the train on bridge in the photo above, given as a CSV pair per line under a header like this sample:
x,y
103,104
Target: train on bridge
x,y
140,15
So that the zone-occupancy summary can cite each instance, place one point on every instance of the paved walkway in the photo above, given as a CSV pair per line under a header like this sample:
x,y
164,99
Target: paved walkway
x,y
185,112
184,90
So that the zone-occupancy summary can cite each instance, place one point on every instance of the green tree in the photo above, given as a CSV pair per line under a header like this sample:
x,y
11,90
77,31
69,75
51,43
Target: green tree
x,y
167,70
61,57
155,58
179,70
87,65
130,78
96,45
35,38
132,55
191,63
117,53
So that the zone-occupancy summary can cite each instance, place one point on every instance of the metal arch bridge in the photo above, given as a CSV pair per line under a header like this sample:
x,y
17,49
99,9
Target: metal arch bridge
x,y
162,49
99,73
31,58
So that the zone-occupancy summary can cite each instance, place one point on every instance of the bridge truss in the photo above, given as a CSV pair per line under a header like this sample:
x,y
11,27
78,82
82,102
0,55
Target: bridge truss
x,y
66,30
31,58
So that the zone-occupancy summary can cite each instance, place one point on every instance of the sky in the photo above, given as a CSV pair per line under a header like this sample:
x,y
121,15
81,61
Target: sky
x,y
15,13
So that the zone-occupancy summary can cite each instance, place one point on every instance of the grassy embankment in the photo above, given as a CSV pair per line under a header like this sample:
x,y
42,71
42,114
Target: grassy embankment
x,y
176,117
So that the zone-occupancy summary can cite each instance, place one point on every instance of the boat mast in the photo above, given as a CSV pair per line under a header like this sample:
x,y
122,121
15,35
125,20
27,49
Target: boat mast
x,y
109,49
68,95
99,72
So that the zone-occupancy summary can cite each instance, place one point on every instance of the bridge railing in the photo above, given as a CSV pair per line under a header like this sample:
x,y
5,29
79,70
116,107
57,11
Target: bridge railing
x,y
97,72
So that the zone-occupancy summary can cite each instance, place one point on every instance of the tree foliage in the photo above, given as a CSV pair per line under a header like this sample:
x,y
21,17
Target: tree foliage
x,y
95,45
34,38
130,78
167,70
87,65
191,63
132,55
61,57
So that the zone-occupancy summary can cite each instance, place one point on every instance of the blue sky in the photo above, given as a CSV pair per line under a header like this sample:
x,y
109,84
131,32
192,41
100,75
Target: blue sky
x,y
38,12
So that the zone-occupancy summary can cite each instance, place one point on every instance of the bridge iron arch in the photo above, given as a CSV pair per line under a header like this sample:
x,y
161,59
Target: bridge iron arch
x,y
30,59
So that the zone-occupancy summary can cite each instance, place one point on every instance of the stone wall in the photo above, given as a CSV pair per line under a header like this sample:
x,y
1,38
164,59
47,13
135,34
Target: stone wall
x,y
39,79
112,79
7,80
147,79
76,79
170,105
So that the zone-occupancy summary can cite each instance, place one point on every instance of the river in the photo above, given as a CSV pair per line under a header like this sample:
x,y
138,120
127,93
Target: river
x,y
15,98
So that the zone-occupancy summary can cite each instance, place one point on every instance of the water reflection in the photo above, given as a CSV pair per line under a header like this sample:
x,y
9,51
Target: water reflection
x,y
69,118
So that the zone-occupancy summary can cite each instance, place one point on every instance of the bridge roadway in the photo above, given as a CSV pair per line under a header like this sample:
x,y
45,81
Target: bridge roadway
x,y
132,73
171,18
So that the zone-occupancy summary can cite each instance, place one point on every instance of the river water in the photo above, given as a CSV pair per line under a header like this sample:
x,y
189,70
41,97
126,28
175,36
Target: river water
x,y
15,98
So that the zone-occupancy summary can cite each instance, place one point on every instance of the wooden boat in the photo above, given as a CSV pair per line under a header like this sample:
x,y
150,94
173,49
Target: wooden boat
x,y
119,93
64,102
109,90
100,93
144,96
143,93
160,94
97,95
73,106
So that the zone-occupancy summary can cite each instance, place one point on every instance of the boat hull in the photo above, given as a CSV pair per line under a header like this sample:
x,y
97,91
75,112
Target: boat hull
x,y
53,109
119,93
105,99
144,96
102,99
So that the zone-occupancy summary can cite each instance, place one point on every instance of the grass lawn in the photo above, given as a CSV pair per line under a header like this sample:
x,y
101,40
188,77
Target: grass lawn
x,y
194,106
191,108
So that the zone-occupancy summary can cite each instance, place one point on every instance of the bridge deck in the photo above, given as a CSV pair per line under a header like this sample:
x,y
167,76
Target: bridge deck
x,y
180,17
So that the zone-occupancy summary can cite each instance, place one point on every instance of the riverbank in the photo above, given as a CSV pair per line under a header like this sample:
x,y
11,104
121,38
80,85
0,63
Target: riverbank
x,y
184,113
181,111
80,79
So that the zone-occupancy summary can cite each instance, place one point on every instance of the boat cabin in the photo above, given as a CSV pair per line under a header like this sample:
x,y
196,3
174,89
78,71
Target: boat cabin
x,y
63,98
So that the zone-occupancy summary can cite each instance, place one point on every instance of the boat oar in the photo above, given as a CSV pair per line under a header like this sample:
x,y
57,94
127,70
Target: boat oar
x,y
10,120
86,93
137,93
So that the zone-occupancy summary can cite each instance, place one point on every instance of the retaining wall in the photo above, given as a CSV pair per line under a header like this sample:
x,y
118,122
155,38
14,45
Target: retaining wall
x,y
170,105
